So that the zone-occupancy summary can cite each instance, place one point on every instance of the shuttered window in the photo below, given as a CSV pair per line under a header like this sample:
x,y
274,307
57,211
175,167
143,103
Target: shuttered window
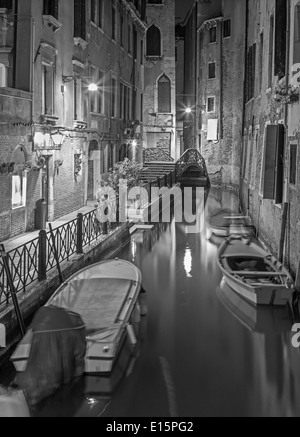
x,y
80,19
274,165
153,41
5,4
164,95
51,8
293,164
297,35
280,38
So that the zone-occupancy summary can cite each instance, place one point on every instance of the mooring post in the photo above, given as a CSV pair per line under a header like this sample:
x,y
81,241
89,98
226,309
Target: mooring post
x,y
56,254
13,292
283,232
80,234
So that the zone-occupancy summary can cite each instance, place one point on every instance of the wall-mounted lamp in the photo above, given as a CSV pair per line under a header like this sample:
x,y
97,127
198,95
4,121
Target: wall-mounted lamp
x,y
58,139
91,87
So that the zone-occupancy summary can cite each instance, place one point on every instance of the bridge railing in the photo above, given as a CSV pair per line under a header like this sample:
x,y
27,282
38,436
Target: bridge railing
x,y
191,157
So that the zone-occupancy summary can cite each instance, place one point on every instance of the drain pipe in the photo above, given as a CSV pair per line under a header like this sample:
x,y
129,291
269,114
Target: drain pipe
x,y
244,99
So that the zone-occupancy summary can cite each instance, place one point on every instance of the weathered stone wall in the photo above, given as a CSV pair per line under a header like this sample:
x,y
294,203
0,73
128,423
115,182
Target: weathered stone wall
x,y
161,127
223,157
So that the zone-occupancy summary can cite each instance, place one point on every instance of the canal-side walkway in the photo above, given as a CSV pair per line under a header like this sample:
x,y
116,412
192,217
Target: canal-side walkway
x,y
20,240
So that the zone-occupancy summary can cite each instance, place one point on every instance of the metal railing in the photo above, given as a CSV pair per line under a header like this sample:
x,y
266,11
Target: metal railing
x,y
32,261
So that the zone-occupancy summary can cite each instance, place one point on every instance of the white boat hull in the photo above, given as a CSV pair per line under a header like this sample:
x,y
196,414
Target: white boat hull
x,y
272,296
103,346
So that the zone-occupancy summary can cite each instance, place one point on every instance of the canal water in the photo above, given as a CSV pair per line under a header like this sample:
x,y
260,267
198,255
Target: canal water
x,y
202,352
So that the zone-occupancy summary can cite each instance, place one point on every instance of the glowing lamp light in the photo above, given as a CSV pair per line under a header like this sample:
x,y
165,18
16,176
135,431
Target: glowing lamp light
x,y
93,87
188,110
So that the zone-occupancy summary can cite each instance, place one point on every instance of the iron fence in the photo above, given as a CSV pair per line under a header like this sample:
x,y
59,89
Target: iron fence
x,y
32,261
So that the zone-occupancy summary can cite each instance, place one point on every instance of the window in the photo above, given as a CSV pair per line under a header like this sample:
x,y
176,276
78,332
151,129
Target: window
x,y
121,97
261,60
19,181
93,95
213,34
113,23
297,35
212,70
47,89
271,51
153,41
80,19
142,52
6,4
250,72
51,8
113,97
100,13
77,99
133,103
101,92
93,11
280,38
135,44
274,163
211,104
126,110
164,95
3,79
293,164
129,39
122,30
227,28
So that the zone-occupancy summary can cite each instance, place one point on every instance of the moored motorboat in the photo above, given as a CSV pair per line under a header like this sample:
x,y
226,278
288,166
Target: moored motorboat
x,y
259,319
106,297
254,273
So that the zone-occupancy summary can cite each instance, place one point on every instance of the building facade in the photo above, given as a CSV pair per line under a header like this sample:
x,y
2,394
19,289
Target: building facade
x,y
214,86
160,79
269,170
71,85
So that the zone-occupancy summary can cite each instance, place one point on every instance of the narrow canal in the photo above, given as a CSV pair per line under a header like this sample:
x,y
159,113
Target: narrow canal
x,y
198,356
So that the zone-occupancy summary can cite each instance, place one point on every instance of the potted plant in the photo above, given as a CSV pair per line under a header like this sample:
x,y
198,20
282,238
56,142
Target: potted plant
x,y
11,167
4,168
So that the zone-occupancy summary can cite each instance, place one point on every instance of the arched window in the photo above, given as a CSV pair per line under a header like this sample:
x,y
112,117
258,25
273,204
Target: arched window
x,y
164,95
153,41
297,35
2,76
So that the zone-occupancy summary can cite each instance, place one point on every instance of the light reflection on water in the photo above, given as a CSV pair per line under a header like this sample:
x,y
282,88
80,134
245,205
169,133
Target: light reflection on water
x,y
200,355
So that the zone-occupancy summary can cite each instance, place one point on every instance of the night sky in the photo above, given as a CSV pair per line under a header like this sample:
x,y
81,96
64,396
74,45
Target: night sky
x,y
182,8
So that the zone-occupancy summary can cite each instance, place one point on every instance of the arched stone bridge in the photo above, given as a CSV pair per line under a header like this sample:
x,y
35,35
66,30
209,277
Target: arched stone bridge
x,y
191,169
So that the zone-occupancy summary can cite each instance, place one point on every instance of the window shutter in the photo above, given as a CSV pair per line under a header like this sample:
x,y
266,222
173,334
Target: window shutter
x,y
280,38
279,170
164,95
274,166
270,161
79,19
6,4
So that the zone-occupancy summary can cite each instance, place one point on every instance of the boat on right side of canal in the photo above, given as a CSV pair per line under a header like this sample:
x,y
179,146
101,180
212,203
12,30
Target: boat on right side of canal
x,y
260,319
255,274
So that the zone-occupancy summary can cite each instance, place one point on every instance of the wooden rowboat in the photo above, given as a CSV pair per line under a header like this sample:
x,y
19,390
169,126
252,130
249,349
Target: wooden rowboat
x,y
226,222
259,319
253,273
106,296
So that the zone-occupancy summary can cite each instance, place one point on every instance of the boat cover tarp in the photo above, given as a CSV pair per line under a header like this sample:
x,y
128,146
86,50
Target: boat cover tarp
x,y
98,301
57,353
